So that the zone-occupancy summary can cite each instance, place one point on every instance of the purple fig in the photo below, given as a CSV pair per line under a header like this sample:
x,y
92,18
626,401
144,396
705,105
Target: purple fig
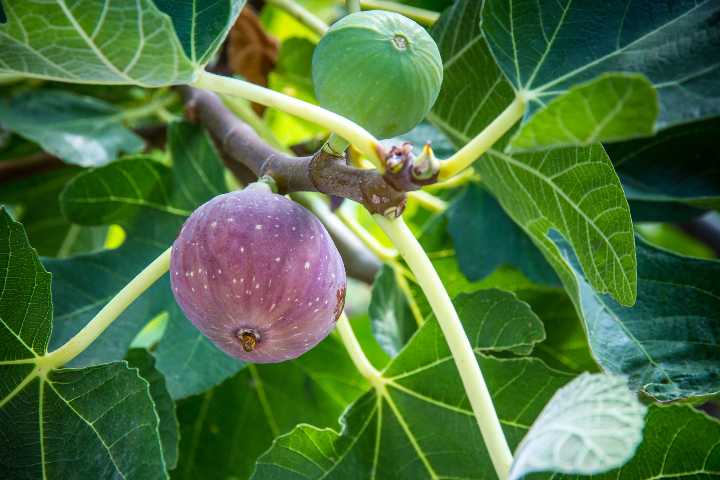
x,y
258,275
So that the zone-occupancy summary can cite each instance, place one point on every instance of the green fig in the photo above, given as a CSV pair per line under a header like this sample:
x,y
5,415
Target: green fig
x,y
379,69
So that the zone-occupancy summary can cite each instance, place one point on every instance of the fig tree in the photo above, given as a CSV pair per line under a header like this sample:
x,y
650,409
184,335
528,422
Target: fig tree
x,y
258,275
379,69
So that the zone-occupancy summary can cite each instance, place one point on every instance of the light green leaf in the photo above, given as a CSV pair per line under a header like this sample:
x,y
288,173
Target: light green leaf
x,y
419,423
612,107
545,48
392,320
100,41
667,343
576,192
573,190
227,428
591,425
80,130
108,408
151,201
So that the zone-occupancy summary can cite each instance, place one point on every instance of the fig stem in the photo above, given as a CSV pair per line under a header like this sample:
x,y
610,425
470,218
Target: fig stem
x,y
358,357
383,253
354,133
353,5
483,141
113,309
301,14
420,15
460,347
428,200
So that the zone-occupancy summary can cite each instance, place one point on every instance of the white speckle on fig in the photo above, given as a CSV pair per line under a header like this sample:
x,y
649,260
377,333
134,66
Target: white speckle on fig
x,y
260,324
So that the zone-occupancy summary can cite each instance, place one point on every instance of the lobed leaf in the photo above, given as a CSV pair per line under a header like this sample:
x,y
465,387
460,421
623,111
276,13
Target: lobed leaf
x,y
386,433
107,407
545,48
573,190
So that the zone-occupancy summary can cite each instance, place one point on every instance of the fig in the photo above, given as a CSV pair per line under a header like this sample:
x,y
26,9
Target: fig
x,y
379,69
258,275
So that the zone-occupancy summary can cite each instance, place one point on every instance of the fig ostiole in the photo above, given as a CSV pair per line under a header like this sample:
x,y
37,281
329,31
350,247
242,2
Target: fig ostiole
x,y
258,275
379,69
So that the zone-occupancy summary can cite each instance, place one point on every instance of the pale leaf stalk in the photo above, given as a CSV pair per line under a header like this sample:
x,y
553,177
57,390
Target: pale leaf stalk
x,y
383,253
420,15
476,147
105,317
358,357
428,200
457,341
353,5
352,132
301,14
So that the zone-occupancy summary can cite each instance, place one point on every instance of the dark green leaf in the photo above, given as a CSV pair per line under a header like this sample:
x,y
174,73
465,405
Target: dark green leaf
x,y
679,166
80,130
36,205
668,342
228,427
392,320
190,362
164,405
486,238
419,424
108,408
547,47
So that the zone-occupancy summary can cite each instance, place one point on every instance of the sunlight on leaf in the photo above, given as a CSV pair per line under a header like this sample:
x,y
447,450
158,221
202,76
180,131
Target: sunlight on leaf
x,y
590,426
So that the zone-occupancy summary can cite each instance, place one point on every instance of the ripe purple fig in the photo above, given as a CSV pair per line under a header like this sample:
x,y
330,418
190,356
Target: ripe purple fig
x,y
258,275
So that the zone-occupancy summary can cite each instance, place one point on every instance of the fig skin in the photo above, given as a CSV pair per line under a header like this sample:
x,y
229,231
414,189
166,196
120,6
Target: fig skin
x,y
258,275
379,69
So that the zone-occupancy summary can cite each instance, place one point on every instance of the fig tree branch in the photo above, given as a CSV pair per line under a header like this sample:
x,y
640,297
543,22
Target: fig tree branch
x,y
322,172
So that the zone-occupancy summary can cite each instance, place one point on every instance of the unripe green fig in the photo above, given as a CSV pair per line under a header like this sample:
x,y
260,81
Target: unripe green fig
x,y
379,69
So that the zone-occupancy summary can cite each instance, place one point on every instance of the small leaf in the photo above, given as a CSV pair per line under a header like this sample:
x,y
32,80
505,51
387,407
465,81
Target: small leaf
x,y
612,107
591,425
80,130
